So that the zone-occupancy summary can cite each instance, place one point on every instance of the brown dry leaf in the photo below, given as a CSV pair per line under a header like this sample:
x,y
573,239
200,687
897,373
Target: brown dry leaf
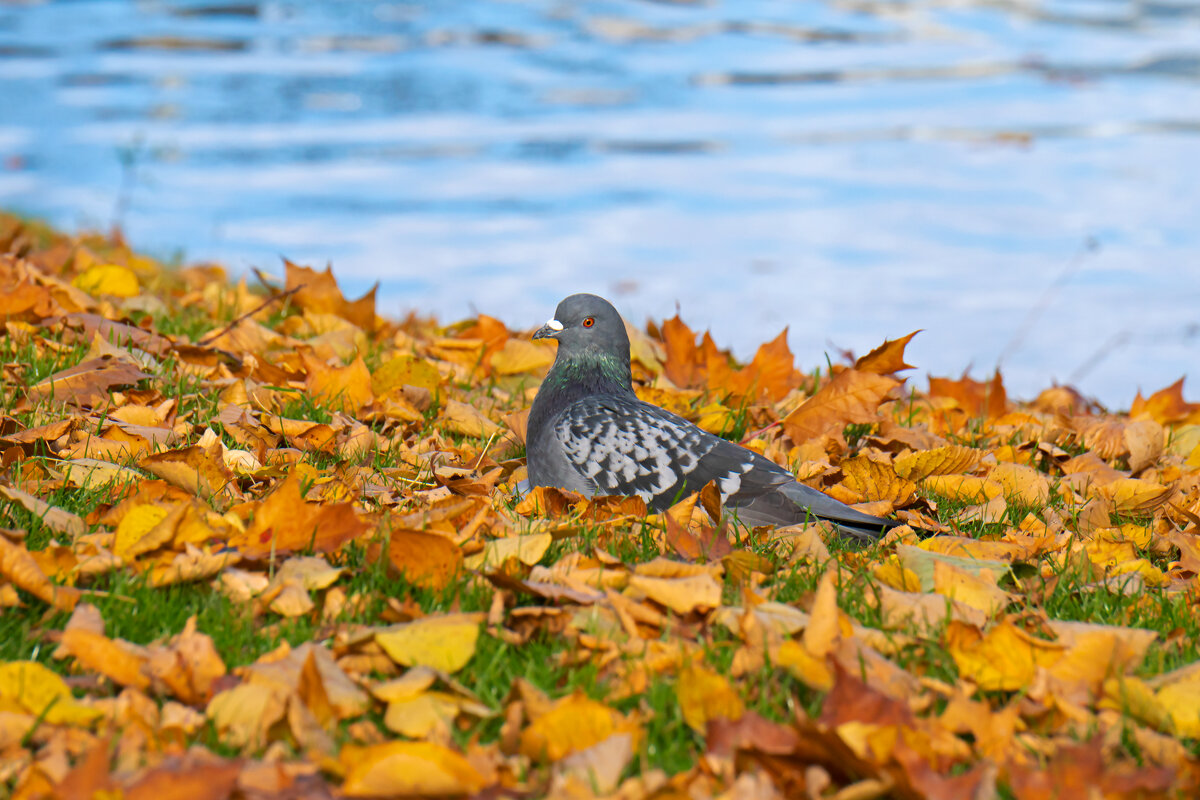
x,y
193,564
188,666
199,470
86,384
926,611
1145,440
203,777
852,396
408,769
318,292
888,358
595,769
682,363
445,642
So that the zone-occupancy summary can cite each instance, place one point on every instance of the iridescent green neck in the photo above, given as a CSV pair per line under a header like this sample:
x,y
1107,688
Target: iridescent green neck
x,y
591,373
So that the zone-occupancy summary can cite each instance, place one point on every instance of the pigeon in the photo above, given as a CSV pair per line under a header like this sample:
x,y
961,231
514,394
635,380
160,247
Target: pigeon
x,y
588,432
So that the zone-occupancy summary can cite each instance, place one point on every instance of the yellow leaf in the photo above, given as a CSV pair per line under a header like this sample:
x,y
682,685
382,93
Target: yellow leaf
x,y
1021,483
824,629
681,595
37,690
244,715
1132,696
963,488
418,717
706,695
1182,702
875,479
444,642
940,461
894,574
467,420
1003,659
922,562
522,355
131,539
409,769
405,371
110,279
803,665
574,723
977,590
1132,495
527,549
195,469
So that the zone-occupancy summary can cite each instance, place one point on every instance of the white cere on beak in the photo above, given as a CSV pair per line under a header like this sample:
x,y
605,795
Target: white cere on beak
x,y
554,325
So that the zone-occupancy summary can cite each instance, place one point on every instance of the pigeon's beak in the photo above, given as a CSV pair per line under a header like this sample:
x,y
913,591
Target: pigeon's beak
x,y
549,331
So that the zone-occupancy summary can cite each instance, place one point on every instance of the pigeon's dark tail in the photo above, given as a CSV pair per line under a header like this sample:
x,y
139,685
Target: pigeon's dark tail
x,y
794,503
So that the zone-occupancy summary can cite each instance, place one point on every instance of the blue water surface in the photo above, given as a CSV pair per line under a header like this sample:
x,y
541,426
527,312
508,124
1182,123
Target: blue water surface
x,y
1020,178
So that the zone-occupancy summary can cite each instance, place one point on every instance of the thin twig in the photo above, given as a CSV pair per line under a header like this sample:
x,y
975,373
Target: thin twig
x,y
222,331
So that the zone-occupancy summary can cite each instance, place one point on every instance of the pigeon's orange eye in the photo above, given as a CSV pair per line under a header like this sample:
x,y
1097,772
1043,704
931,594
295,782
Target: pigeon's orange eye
x,y
589,322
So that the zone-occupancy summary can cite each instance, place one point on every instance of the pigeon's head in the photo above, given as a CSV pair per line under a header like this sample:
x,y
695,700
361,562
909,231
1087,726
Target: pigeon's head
x,y
585,323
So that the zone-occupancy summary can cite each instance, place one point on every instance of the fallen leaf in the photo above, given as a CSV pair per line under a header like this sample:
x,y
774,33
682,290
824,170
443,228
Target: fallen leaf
x,y
888,358
408,769
706,695
445,642
852,396
86,384
574,723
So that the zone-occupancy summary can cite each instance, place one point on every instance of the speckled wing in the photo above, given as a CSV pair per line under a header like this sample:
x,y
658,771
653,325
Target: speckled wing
x,y
625,446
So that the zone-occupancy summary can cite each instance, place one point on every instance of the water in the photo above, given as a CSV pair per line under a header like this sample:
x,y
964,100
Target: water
x,y
1020,178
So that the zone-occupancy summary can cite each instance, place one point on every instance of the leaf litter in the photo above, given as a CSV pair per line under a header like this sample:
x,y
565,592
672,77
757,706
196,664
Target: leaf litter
x,y
393,621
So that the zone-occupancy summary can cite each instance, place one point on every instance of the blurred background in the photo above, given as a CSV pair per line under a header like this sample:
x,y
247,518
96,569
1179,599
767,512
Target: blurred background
x,y
1020,178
